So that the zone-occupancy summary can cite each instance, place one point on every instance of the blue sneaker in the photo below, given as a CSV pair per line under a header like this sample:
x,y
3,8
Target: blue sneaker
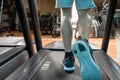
x,y
88,68
68,63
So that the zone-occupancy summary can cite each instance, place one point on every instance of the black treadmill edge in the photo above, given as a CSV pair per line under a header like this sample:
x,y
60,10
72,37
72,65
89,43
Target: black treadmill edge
x,y
25,71
10,54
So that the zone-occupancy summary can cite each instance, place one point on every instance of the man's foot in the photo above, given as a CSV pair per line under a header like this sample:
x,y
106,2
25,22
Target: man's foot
x,y
68,62
89,70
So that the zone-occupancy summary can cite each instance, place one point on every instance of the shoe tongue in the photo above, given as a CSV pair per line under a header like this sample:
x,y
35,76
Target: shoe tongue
x,y
68,54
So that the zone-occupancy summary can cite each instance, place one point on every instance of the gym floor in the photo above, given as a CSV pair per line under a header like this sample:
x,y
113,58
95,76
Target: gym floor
x,y
112,49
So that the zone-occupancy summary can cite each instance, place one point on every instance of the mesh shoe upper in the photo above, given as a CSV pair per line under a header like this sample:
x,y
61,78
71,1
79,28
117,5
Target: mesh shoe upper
x,y
69,61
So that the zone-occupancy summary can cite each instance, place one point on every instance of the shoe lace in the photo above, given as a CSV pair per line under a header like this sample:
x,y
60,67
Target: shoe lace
x,y
69,58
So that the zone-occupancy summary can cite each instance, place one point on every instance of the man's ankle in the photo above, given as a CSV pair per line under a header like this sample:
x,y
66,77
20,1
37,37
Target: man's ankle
x,y
68,54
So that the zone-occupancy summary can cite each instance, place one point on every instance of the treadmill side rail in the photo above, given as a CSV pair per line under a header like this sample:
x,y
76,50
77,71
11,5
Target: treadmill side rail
x,y
10,54
111,68
27,70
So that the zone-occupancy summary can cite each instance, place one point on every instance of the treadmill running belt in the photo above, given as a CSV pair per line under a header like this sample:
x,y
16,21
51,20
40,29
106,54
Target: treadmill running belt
x,y
51,69
4,49
11,41
55,69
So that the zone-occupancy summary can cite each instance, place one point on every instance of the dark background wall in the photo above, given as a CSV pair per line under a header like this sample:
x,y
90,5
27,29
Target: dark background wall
x,y
46,6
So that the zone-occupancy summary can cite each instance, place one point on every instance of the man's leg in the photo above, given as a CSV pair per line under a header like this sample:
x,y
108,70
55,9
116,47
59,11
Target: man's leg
x,y
65,6
66,30
81,48
84,23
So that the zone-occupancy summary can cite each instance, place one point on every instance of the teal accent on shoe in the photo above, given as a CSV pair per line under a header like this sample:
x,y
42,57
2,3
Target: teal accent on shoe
x,y
88,68
69,68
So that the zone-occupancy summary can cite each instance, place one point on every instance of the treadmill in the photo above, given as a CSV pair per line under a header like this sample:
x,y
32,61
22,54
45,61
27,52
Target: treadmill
x,y
11,41
13,53
10,59
46,63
